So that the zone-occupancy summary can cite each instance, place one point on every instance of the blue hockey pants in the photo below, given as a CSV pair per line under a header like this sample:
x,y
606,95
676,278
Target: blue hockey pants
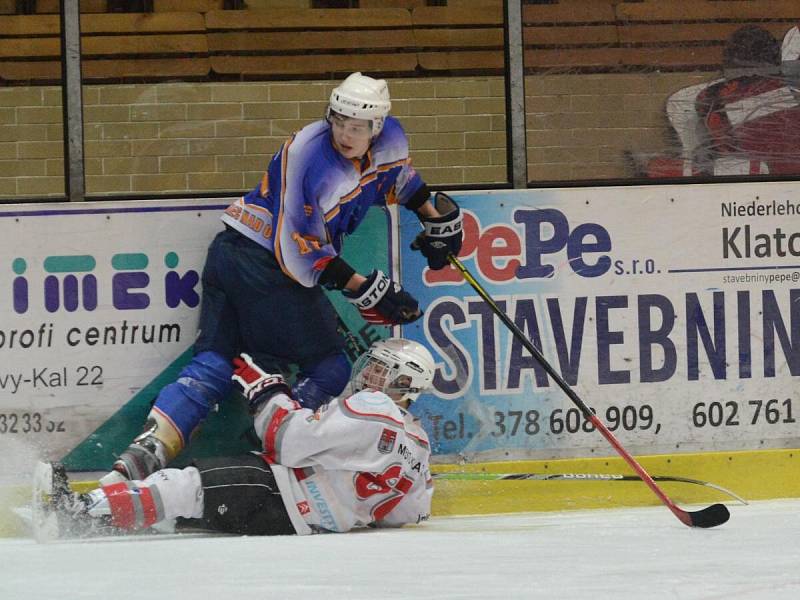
x,y
250,305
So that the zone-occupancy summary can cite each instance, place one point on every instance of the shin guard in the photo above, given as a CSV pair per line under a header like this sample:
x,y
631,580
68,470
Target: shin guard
x,y
183,405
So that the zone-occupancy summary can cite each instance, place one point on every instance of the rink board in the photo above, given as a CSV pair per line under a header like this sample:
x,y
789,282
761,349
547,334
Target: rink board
x,y
758,475
680,328
672,311
99,304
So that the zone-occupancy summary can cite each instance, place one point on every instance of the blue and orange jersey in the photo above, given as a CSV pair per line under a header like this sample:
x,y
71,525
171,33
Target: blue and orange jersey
x,y
311,196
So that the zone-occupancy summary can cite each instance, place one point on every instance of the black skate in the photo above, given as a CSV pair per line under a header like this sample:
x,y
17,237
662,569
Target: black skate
x,y
58,512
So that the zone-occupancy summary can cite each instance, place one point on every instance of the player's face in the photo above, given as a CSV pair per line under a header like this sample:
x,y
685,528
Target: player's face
x,y
374,375
351,137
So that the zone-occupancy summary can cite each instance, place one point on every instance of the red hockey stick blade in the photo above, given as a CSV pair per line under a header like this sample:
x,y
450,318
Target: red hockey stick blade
x,y
711,516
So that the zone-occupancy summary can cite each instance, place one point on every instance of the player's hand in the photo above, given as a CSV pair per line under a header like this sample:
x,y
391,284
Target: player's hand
x,y
384,302
255,384
443,235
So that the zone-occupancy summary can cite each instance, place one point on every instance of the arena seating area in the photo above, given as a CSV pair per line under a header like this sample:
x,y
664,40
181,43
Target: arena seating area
x,y
201,40
671,35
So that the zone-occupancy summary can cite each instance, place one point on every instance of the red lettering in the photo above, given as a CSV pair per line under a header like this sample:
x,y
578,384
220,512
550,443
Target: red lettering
x,y
488,251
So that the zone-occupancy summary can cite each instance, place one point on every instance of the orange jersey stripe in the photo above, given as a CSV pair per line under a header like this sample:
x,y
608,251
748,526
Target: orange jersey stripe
x,y
365,180
279,225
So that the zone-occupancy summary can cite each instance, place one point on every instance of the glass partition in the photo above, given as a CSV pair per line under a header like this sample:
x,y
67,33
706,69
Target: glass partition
x,y
31,146
193,97
661,90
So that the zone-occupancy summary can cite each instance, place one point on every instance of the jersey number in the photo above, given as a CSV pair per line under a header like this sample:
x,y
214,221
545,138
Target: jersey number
x,y
391,481
305,243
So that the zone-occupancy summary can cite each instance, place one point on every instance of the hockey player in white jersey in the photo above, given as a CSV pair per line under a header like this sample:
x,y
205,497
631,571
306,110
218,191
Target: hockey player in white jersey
x,y
362,460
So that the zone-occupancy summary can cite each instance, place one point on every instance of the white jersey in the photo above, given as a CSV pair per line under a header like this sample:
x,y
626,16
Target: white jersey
x,y
357,461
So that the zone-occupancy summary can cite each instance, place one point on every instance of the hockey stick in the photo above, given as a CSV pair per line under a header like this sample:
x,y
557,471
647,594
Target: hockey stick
x,y
482,476
711,516
354,347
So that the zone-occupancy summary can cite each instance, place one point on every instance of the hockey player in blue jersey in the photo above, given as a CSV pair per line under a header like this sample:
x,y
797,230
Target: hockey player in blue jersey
x,y
264,274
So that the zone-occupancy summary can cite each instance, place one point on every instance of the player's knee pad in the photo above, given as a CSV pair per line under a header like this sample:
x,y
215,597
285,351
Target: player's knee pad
x,y
210,371
185,403
323,381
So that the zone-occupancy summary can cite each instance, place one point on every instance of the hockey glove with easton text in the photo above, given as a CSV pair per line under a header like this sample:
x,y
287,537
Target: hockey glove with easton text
x,y
255,384
443,235
384,302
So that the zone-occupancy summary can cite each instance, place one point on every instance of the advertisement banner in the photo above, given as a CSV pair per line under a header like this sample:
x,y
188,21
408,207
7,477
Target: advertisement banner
x,y
98,300
99,306
673,311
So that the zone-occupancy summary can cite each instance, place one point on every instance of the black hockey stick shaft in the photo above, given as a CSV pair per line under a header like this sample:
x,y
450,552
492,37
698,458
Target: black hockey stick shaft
x,y
710,516
484,476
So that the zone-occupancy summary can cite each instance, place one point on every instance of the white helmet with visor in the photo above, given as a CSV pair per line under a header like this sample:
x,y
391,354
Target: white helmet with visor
x,y
400,368
361,97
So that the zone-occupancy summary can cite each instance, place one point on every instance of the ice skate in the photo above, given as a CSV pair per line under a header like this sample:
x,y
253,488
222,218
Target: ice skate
x,y
59,513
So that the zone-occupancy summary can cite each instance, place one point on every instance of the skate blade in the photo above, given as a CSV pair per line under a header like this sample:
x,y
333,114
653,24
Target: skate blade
x,y
43,520
25,516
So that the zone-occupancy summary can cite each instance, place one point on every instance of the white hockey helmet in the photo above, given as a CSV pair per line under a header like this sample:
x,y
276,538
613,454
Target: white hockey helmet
x,y
361,97
398,367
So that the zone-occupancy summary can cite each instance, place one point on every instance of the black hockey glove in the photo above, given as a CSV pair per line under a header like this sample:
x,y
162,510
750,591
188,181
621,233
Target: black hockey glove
x,y
442,235
255,384
384,302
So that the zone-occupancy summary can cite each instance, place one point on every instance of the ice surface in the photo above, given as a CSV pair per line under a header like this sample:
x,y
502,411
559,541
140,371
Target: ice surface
x,y
642,553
